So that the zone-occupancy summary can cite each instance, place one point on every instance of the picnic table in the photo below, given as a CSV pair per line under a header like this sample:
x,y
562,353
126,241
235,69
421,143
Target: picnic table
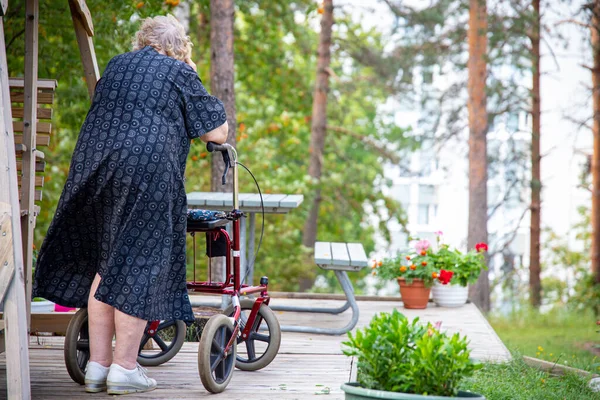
x,y
249,204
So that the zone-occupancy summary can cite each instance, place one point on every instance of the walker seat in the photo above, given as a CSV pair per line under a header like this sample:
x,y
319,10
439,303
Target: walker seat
x,y
204,220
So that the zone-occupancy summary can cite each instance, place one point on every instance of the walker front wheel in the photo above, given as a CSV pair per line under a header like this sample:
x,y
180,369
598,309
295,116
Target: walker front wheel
x,y
214,365
169,338
77,346
261,345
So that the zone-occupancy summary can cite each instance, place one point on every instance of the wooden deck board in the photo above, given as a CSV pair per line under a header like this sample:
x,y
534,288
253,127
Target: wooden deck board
x,y
305,366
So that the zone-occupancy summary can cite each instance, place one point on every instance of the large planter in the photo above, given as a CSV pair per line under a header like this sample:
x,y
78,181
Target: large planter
x,y
415,295
449,295
355,392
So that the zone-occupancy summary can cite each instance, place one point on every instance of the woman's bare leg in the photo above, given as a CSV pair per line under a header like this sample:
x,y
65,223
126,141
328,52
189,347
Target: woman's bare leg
x,y
101,321
129,334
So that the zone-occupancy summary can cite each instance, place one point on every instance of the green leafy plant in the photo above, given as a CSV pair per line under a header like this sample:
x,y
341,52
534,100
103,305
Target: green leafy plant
x,y
397,355
425,263
417,263
468,266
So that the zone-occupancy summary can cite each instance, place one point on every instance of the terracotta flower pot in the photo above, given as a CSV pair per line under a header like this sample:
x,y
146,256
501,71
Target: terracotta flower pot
x,y
415,295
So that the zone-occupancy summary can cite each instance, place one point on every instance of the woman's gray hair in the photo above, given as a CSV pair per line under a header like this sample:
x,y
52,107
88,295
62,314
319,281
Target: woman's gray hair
x,y
166,35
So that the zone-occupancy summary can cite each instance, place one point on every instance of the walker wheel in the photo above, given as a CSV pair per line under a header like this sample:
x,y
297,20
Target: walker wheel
x,y
215,367
263,340
77,346
169,337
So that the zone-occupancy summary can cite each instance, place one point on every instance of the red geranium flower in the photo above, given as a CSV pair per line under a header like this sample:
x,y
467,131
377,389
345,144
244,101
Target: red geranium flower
x,y
445,276
481,247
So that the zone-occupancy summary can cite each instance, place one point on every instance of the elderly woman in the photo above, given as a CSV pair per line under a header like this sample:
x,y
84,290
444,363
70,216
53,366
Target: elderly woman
x,y
117,241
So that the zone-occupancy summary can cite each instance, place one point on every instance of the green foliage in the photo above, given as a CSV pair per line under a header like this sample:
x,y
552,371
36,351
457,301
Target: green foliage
x,y
396,355
409,266
468,267
275,56
426,263
585,293
561,335
515,380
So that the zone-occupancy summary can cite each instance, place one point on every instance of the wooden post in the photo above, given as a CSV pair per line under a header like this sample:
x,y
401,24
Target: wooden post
x,y
15,321
29,131
84,30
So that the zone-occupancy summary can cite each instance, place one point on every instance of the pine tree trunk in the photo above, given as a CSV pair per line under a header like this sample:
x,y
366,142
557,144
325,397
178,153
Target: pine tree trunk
x,y
221,86
477,103
595,250
221,77
319,120
535,285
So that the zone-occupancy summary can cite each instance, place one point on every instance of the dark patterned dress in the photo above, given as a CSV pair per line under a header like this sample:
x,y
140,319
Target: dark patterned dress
x,y
122,212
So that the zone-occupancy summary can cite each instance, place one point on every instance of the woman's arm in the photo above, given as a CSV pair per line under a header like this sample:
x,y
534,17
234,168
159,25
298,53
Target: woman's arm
x,y
217,135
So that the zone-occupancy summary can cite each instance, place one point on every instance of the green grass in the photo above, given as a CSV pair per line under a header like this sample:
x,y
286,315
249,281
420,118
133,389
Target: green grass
x,y
517,381
559,336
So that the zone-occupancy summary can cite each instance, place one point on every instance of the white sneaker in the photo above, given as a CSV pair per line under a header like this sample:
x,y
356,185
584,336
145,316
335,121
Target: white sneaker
x,y
95,377
125,381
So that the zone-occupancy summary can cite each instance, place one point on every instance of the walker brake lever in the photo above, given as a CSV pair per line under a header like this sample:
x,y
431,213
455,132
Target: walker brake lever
x,y
227,162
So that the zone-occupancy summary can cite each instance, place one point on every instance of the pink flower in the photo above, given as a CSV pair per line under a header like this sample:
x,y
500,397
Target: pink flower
x,y
438,233
422,245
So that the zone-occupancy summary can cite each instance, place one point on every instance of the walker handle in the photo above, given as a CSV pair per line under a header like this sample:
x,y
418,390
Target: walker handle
x,y
223,148
212,146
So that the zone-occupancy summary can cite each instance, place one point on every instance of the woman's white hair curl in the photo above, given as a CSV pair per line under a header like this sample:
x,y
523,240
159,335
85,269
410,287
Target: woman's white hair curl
x,y
166,35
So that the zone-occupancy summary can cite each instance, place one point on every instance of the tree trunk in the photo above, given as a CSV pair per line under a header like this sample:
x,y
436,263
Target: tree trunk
x,y
221,78
535,285
182,13
595,250
319,120
221,86
477,65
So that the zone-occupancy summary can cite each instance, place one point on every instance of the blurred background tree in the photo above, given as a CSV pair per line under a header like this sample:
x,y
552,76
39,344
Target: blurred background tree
x,y
275,59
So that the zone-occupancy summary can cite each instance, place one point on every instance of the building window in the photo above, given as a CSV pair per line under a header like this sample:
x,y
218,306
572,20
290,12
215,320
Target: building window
x,y
402,194
423,216
427,194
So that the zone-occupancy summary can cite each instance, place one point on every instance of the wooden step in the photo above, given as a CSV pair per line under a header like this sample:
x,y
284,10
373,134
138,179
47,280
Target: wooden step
x,y
42,113
42,84
42,97
39,166
41,127
39,180
40,139
20,149
36,211
37,196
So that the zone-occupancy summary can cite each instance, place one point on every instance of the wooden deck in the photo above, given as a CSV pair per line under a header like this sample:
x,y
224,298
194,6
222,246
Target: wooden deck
x,y
307,366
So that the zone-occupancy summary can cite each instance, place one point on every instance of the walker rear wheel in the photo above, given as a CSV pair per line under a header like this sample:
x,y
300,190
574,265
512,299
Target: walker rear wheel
x,y
77,346
216,367
262,344
169,337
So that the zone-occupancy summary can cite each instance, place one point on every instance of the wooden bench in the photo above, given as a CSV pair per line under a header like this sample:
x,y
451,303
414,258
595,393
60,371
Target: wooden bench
x,y
340,258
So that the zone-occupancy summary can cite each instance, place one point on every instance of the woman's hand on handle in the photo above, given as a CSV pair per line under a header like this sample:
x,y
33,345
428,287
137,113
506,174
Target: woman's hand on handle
x,y
217,135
